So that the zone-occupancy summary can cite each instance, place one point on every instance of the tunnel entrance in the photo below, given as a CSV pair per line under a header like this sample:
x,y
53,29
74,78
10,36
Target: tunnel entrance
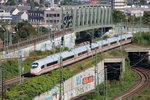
x,y
113,71
138,59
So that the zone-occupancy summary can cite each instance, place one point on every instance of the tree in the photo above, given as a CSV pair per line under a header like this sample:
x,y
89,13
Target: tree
x,y
43,30
2,33
146,18
21,24
118,16
26,31
11,2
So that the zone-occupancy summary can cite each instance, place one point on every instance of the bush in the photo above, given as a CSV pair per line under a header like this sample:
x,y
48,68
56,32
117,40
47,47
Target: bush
x,y
12,66
40,84
141,38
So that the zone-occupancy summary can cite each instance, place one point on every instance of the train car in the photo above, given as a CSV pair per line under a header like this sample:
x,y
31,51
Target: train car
x,y
67,57
44,65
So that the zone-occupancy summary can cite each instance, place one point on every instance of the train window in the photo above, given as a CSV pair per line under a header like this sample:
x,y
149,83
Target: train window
x,y
105,45
68,58
129,38
94,48
34,65
113,42
121,40
42,67
81,53
52,63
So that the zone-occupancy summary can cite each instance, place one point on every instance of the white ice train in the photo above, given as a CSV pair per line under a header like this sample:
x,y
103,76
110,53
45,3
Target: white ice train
x,y
53,61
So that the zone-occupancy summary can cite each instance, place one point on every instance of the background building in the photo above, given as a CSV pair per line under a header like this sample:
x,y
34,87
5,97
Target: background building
x,y
5,16
48,18
118,4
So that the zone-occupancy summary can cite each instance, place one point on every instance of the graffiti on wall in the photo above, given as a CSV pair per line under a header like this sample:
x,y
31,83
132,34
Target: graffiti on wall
x,y
47,45
84,84
24,52
53,94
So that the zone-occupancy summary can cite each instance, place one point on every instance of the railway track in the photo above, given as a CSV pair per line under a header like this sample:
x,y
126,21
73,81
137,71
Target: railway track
x,y
143,83
16,80
27,75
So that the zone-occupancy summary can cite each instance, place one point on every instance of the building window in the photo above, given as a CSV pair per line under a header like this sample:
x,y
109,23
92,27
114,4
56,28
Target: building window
x,y
58,15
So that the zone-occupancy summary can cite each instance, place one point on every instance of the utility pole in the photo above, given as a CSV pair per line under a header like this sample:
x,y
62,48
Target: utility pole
x,y
53,36
20,65
61,79
2,83
105,73
122,56
61,97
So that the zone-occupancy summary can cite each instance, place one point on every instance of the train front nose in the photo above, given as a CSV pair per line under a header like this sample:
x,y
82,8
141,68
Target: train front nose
x,y
34,69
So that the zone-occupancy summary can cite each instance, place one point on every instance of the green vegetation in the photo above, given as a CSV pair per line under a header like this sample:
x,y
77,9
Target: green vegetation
x,y
35,86
23,30
146,18
11,2
43,83
115,87
40,84
118,16
142,96
142,38
11,66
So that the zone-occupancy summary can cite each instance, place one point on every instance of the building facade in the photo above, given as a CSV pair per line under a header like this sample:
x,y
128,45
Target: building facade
x,y
36,16
48,18
72,16
5,16
118,3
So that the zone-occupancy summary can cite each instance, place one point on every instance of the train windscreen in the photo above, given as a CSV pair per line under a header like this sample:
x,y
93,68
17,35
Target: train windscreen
x,y
34,65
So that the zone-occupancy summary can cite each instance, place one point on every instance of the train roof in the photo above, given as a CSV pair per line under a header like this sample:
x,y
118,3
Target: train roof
x,y
128,35
80,49
112,39
94,45
48,59
125,36
102,42
65,54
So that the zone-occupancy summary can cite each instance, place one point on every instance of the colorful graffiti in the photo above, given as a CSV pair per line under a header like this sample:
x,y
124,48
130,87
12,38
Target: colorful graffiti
x,y
76,85
87,79
47,45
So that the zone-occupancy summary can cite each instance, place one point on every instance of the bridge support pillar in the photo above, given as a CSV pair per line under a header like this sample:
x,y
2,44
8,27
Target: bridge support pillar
x,y
122,68
69,40
149,55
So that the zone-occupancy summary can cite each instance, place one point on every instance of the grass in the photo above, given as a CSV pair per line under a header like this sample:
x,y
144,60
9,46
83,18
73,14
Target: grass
x,y
142,96
43,83
115,87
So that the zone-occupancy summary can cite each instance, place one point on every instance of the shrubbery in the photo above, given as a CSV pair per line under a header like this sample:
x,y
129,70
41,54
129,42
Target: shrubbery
x,y
115,87
40,84
43,83
142,38
12,67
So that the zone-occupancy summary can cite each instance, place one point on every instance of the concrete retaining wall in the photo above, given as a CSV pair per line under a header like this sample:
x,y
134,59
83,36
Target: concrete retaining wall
x,y
69,41
76,85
